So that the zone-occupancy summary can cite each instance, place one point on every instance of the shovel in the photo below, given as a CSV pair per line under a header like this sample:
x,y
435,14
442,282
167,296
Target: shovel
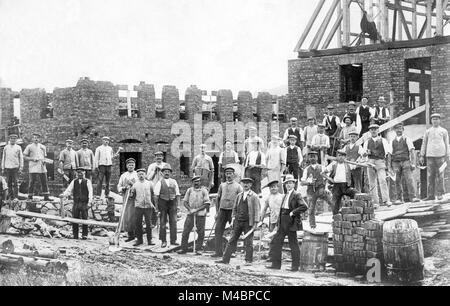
x,y
115,239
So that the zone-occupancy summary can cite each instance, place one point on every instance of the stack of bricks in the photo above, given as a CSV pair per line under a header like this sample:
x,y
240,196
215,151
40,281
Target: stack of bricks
x,y
356,236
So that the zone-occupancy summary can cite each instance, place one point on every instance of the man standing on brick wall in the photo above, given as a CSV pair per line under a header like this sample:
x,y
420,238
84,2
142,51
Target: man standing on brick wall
x,y
294,129
321,143
364,111
167,198
254,165
12,164
86,158
293,158
332,126
68,162
380,114
35,153
203,166
228,156
103,162
379,153
354,154
253,142
309,132
226,196
154,175
356,118
402,164
276,161
435,148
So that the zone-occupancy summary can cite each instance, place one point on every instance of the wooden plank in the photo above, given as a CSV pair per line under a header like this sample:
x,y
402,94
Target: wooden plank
x,y
414,20
393,122
334,30
309,26
385,20
339,30
319,35
67,219
394,25
439,18
370,11
428,11
403,21
346,23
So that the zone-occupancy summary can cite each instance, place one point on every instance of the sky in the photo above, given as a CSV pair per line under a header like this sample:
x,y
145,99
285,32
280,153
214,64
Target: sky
x,y
214,44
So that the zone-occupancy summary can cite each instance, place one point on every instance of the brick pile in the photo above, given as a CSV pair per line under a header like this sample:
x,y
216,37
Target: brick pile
x,y
356,235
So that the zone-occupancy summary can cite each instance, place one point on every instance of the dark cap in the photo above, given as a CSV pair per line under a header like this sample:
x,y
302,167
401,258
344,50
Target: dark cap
x,y
313,153
247,180
13,136
158,153
141,170
130,160
196,178
374,126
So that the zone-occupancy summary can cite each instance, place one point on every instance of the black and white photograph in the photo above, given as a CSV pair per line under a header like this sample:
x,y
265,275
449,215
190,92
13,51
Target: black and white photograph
x,y
224,149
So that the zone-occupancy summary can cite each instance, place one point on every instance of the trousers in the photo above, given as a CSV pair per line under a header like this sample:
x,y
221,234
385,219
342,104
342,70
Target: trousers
x,y
200,222
79,211
168,210
277,242
223,218
104,173
239,227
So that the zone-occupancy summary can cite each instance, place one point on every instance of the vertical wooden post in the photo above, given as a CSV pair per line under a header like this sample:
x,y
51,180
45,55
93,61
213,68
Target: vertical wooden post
x,y
371,15
429,8
346,23
414,19
394,23
309,26
380,17
385,20
316,41
400,22
391,104
427,108
339,30
439,18
362,39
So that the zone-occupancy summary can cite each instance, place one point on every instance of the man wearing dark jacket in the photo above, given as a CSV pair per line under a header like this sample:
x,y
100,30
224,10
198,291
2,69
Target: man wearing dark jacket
x,y
289,222
245,218
81,191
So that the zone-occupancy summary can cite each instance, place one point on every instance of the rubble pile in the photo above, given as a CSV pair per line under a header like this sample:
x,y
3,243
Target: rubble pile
x,y
356,235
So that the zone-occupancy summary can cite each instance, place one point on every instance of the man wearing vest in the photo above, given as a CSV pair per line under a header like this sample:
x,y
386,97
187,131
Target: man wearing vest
x,y
294,157
364,111
254,164
331,123
380,114
68,162
203,166
276,161
402,163
81,191
309,132
86,158
351,112
321,143
435,148
196,201
35,153
253,142
340,174
126,181
12,164
226,197
167,198
289,222
354,154
315,182
142,192
246,210
379,153
294,130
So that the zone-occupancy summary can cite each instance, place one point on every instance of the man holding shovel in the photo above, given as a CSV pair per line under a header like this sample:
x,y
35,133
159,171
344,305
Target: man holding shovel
x,y
196,202
126,180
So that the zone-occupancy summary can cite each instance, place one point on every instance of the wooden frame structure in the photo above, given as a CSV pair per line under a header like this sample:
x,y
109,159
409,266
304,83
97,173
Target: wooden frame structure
x,y
417,19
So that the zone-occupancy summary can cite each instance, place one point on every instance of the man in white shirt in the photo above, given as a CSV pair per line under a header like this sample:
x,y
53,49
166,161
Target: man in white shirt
x,y
12,164
228,156
86,158
81,190
294,130
154,170
332,125
356,118
203,166
103,158
379,153
380,113
276,161
35,153
254,164
309,132
253,142
354,154
321,143
68,162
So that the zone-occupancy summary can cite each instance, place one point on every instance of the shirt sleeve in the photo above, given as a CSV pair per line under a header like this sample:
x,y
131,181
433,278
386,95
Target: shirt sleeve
x,y
358,123
263,159
327,141
446,143
90,190
206,197
302,134
187,195
300,156
304,177
220,158
61,156
69,189
4,184
386,146
177,189
157,188
3,158
286,134
409,143
27,151
329,167
338,121
236,158
96,157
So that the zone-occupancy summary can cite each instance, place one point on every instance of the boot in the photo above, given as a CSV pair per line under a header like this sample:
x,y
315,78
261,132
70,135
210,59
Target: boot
x,y
138,242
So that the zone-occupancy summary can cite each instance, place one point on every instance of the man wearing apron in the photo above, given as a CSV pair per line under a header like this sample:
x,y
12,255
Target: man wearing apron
x,y
203,166
126,181
229,156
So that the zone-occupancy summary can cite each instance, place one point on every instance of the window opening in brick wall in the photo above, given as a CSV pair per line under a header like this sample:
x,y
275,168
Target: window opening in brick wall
x,y
161,114
417,86
351,82
184,165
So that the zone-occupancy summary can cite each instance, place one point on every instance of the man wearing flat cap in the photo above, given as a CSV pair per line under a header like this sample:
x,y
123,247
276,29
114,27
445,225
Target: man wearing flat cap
x,y
203,166
142,193
226,197
331,122
35,153
365,112
276,160
154,170
196,201
68,162
354,153
321,143
228,156
245,218
380,113
309,132
12,164
81,190
294,129
294,158
126,181
356,118
253,142
436,150
289,222
103,159
86,158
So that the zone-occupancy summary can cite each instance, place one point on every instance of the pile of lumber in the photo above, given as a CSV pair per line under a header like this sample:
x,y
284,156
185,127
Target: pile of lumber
x,y
356,236
43,260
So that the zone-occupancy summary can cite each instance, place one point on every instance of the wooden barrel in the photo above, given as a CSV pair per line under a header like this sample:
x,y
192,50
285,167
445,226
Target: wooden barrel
x,y
403,250
314,251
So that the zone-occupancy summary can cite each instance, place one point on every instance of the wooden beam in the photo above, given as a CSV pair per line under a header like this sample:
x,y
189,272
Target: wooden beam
x,y
394,25
414,20
399,22
429,9
370,12
384,20
439,17
319,35
346,23
339,33
309,26
403,20
334,30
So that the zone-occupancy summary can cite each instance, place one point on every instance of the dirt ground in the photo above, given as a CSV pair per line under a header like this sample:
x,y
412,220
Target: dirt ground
x,y
91,263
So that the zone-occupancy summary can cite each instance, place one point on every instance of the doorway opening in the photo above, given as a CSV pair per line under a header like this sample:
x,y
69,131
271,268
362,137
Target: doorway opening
x,y
351,82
